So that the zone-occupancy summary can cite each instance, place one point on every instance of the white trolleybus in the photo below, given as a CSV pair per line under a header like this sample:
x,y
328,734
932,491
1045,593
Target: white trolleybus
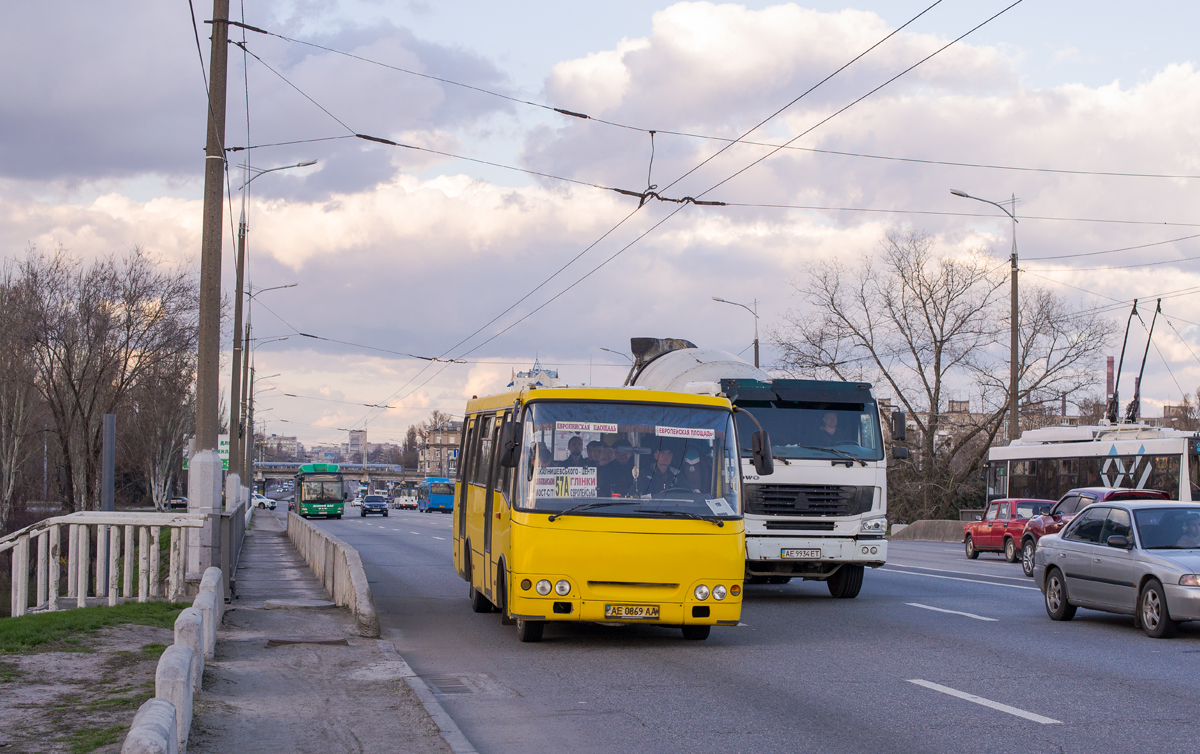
x,y
822,514
1045,463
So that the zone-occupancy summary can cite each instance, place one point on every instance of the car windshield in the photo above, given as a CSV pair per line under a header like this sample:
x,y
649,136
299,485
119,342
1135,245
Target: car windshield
x,y
814,430
374,499
625,459
1174,528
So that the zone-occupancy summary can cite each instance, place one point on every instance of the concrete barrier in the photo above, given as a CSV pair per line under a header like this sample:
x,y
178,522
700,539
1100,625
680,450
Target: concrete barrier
x,y
339,568
173,682
153,730
205,602
189,631
213,580
930,531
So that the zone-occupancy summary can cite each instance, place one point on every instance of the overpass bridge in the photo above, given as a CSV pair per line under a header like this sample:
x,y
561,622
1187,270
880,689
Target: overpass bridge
x,y
375,472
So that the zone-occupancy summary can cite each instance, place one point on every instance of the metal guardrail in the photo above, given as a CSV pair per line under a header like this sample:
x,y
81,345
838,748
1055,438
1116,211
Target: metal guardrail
x,y
111,556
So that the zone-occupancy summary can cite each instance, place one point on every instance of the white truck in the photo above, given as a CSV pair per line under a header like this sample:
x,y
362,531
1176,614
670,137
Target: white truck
x,y
822,514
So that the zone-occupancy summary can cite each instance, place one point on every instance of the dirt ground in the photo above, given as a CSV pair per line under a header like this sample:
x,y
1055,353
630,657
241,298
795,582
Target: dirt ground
x,y
79,701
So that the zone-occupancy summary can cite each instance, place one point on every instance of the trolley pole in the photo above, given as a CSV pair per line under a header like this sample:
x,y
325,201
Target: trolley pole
x,y
204,468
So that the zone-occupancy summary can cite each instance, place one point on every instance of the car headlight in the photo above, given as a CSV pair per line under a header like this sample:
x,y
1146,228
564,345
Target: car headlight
x,y
875,525
543,587
701,592
718,592
1189,579
562,588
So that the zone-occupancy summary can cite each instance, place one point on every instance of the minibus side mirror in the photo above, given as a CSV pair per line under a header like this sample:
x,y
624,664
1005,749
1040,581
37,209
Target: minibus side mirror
x,y
760,453
899,427
510,444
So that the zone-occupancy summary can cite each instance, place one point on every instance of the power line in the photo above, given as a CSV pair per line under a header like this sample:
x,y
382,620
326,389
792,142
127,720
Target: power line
x,y
1115,267
1112,251
707,137
961,214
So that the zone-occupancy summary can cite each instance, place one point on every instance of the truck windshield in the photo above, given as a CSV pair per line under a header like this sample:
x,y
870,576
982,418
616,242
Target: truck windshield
x,y
814,430
648,459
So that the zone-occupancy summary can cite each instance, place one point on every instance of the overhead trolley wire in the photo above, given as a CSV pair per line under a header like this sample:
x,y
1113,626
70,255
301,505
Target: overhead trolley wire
x,y
705,137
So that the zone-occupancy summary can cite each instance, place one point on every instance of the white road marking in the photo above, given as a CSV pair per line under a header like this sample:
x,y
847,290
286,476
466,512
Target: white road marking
x,y
964,573
441,538
985,702
955,578
951,612
415,532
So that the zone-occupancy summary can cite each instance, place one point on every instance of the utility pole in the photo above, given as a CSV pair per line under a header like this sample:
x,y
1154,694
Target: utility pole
x,y
204,468
235,393
246,438
1014,426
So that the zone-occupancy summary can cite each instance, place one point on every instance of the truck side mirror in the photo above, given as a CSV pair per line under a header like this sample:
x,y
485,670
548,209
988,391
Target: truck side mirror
x,y
899,427
760,453
510,444
900,454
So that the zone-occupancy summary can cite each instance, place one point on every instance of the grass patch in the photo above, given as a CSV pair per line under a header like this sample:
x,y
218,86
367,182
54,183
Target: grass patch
x,y
86,740
153,651
61,630
9,672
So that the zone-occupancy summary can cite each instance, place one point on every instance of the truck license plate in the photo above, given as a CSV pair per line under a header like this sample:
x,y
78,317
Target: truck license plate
x,y
640,612
790,554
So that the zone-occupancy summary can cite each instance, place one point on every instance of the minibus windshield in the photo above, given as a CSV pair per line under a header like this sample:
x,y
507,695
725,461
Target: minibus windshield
x,y
656,460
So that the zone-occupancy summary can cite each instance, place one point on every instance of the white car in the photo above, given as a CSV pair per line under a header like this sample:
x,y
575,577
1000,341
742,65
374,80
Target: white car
x,y
356,502
259,500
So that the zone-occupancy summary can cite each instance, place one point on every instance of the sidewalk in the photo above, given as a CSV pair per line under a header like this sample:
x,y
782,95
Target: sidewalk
x,y
300,679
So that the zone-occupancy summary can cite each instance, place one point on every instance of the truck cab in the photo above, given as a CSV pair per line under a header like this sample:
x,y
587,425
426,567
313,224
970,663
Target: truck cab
x,y
821,514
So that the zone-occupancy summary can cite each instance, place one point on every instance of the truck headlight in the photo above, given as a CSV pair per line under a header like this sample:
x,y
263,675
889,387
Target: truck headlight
x,y
875,525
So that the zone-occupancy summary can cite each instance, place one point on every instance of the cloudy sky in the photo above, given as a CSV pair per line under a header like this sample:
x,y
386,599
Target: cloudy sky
x,y
102,121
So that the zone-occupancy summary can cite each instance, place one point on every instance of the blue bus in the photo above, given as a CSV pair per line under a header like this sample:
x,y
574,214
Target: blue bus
x,y
435,494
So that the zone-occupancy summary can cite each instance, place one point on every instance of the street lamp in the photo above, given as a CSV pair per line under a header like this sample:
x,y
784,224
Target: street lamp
x,y
623,355
236,379
1014,427
753,311
248,449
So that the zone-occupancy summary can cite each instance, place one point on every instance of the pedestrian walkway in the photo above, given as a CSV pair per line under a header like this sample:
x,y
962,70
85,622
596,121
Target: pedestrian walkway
x,y
270,568
300,679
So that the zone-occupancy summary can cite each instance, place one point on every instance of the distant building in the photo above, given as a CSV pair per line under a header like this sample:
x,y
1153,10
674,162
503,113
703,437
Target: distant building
x,y
324,454
357,444
282,448
437,455
537,375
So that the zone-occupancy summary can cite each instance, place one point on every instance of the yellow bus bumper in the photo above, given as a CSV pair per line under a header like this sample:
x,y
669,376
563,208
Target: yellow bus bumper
x,y
725,612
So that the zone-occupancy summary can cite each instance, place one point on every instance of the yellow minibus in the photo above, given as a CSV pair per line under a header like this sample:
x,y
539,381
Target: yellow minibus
x,y
606,505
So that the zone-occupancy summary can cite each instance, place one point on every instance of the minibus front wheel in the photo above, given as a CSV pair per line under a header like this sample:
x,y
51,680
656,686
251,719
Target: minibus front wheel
x,y
531,630
696,633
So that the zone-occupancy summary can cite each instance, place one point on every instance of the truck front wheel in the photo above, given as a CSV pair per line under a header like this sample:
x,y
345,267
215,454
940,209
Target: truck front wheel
x,y
846,583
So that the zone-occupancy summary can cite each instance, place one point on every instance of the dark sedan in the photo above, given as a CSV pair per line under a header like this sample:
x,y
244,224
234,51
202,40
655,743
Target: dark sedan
x,y
374,504
1062,513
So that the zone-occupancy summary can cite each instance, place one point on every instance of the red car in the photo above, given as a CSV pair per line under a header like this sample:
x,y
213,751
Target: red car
x,y
1001,526
1066,508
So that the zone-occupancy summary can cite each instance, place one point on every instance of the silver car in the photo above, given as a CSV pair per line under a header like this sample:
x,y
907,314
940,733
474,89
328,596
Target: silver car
x,y
1139,558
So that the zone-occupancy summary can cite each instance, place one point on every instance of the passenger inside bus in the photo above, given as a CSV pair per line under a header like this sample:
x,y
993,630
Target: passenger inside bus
x,y
692,474
662,475
574,458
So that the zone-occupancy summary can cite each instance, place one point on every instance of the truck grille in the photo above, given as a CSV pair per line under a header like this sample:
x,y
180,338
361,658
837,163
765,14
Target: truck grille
x,y
808,499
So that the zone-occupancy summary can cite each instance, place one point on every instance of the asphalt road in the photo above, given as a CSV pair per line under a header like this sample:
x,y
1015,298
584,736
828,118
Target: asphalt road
x,y
886,672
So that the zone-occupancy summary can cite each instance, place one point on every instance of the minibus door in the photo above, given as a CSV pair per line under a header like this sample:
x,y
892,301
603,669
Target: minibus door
x,y
489,505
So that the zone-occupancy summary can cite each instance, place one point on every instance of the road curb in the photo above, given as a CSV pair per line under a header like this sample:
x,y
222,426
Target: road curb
x,y
450,731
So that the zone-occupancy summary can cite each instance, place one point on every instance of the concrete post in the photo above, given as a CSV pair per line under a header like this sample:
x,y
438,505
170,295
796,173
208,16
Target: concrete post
x,y
205,602
154,730
173,682
214,581
204,496
189,631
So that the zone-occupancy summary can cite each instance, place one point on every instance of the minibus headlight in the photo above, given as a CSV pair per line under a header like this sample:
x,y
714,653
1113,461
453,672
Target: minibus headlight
x,y
701,592
562,588
543,587
718,592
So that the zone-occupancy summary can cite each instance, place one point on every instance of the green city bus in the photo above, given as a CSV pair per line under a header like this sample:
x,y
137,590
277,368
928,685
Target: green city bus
x,y
320,491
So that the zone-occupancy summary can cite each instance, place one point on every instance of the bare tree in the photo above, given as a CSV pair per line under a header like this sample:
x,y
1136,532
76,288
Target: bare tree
x,y
19,401
161,414
97,331
931,327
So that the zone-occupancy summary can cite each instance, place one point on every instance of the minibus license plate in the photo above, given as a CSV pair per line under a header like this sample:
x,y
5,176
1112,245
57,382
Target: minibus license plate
x,y
631,611
801,554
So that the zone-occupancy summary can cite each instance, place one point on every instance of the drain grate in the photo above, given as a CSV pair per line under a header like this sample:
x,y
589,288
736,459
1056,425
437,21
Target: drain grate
x,y
448,685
